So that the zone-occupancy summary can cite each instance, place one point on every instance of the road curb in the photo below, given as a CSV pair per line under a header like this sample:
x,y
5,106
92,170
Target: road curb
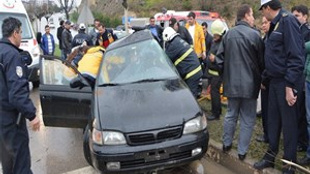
x,y
231,161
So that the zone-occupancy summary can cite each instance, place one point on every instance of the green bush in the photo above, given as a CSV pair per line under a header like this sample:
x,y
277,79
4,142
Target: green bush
x,y
109,22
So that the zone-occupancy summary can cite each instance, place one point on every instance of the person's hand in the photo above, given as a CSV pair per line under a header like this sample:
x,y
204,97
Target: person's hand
x,y
262,87
289,96
35,124
212,57
203,56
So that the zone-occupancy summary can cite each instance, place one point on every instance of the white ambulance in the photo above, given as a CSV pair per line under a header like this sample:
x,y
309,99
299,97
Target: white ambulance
x,y
16,9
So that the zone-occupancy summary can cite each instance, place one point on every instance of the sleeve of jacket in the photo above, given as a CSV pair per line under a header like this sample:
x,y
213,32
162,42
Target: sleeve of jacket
x,y
220,55
59,33
294,47
202,39
114,35
42,45
17,81
188,37
53,42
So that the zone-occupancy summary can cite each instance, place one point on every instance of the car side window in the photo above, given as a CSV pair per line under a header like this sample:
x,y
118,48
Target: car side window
x,y
54,72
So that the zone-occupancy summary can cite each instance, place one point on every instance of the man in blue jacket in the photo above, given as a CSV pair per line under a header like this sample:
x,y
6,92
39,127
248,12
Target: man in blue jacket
x,y
15,104
284,64
48,42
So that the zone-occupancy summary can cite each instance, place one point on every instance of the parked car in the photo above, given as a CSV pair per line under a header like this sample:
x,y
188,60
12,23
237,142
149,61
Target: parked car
x,y
139,117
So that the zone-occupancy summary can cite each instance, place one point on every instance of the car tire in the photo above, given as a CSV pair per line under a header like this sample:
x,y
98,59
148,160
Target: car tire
x,y
86,149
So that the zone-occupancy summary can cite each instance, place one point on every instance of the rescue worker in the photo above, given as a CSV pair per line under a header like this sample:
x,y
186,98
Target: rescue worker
x,y
106,36
185,60
284,64
218,30
89,65
15,104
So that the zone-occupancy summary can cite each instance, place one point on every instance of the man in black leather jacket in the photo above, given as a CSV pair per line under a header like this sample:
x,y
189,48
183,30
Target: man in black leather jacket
x,y
240,58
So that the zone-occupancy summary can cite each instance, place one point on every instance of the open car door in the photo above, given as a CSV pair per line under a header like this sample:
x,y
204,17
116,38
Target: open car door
x,y
62,106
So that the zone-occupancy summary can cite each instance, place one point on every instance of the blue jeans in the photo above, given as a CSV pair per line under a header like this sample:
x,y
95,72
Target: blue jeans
x,y
307,90
246,108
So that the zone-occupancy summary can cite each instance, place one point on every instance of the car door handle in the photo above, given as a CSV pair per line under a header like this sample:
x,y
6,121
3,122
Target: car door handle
x,y
45,97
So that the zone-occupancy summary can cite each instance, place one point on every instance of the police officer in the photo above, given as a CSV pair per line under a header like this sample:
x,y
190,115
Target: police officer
x,y
301,13
284,64
79,39
185,60
15,104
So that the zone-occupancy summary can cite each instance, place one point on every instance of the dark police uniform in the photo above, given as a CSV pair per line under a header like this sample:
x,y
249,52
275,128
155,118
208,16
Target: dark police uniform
x,y
284,62
302,121
186,62
14,99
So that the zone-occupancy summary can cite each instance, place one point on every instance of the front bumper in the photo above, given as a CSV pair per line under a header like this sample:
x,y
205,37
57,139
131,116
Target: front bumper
x,y
150,157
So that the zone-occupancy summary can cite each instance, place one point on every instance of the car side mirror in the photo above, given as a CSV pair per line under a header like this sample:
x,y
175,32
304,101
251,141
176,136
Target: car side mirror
x,y
39,37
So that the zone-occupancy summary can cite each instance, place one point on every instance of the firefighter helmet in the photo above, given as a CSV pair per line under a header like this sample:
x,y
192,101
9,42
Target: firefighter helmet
x,y
169,33
218,27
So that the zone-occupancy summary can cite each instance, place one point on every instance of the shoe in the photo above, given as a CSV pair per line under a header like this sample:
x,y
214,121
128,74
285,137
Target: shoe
x,y
227,148
304,161
260,165
212,117
241,157
301,148
262,139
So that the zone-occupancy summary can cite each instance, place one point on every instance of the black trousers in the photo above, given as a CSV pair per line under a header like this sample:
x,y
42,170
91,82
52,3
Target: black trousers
x,y
281,116
302,120
195,84
14,145
264,104
216,106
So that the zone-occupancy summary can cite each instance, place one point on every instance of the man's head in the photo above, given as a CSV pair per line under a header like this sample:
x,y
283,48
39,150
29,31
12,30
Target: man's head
x,y
68,25
11,29
47,29
61,23
152,21
270,8
301,12
205,27
82,27
265,25
101,28
218,29
96,23
173,23
191,18
245,13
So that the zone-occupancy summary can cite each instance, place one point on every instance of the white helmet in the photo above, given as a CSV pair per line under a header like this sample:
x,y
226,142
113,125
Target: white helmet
x,y
169,33
218,27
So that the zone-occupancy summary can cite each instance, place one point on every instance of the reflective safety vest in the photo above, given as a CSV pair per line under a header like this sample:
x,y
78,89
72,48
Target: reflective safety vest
x,y
183,57
91,61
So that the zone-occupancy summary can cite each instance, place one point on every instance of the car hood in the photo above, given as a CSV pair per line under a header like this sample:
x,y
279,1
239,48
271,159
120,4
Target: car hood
x,y
145,106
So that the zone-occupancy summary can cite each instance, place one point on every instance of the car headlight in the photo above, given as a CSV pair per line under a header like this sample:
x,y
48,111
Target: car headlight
x,y
195,125
108,137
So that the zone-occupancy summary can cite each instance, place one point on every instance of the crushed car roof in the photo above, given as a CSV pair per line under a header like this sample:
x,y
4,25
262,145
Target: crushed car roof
x,y
137,36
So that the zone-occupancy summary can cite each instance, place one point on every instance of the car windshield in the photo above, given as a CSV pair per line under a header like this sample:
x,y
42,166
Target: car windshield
x,y
139,62
26,34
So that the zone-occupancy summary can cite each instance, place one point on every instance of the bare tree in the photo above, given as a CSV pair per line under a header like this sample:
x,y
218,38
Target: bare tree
x,y
67,6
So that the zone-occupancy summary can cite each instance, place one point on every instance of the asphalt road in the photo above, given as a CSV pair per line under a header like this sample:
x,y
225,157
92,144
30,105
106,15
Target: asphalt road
x,y
59,150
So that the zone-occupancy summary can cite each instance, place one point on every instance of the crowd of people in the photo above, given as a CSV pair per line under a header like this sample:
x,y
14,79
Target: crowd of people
x,y
273,60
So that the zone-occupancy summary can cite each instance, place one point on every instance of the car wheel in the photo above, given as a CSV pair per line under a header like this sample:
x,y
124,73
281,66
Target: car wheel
x,y
86,149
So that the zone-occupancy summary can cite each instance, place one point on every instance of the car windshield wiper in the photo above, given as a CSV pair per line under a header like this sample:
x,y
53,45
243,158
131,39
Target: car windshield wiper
x,y
148,80
109,84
